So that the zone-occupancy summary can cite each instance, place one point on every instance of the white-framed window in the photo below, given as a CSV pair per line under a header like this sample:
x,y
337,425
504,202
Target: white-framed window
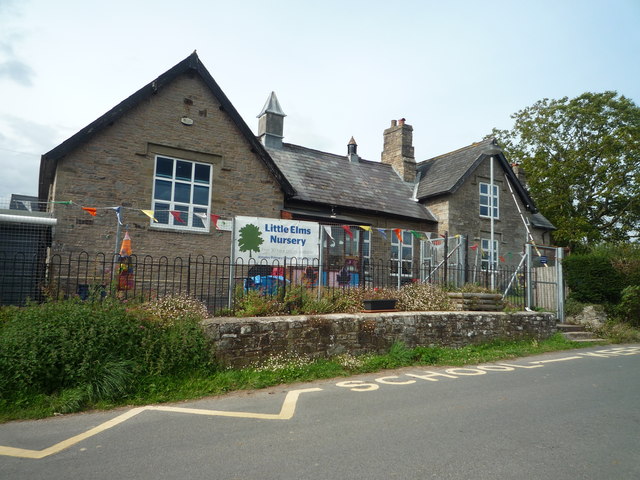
x,y
366,256
406,254
488,200
342,245
181,189
366,246
486,253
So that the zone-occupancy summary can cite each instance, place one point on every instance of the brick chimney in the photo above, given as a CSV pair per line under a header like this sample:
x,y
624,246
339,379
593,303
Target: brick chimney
x,y
398,150
271,123
519,173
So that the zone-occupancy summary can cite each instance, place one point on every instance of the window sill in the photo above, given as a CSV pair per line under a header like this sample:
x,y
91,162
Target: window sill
x,y
163,228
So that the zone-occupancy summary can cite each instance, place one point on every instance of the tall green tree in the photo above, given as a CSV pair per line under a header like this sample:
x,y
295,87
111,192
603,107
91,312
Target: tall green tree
x,y
582,161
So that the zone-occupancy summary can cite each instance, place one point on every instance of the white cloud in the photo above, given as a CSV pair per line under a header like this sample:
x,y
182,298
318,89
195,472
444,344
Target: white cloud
x,y
22,142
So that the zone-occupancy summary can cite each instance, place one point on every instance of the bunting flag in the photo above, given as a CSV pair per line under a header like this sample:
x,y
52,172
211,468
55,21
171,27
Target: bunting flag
x,y
327,230
474,247
365,227
214,219
416,234
436,242
90,210
150,214
117,209
348,231
398,232
502,259
201,216
382,232
176,215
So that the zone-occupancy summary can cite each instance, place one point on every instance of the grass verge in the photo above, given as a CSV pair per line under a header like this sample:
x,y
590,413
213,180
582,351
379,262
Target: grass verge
x,y
151,389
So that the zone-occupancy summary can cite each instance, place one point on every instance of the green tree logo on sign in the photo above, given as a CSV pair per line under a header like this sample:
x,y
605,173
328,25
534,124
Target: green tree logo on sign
x,y
250,239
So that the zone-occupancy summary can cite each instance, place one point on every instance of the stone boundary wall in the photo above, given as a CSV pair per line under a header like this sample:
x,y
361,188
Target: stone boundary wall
x,y
242,341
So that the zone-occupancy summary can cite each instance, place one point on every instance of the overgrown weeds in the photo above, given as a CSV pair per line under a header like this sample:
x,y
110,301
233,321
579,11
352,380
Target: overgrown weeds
x,y
298,300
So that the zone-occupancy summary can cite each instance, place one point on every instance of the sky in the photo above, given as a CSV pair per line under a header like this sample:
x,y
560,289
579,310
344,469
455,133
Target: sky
x,y
454,69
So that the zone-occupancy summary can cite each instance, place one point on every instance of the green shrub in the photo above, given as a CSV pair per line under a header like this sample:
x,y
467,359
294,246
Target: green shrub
x,y
254,304
629,306
625,258
96,348
592,278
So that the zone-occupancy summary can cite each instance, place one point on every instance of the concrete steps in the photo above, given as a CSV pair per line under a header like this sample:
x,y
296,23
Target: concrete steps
x,y
577,333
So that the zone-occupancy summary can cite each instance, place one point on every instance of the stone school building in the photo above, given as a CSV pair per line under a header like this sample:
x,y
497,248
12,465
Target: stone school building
x,y
174,163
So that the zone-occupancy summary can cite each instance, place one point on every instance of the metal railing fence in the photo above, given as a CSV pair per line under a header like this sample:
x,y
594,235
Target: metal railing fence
x,y
214,280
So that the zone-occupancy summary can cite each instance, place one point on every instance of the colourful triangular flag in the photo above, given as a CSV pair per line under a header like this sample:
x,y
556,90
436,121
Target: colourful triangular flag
x,y
176,215
348,231
150,214
327,230
416,234
382,232
398,232
90,210
214,219
474,247
365,227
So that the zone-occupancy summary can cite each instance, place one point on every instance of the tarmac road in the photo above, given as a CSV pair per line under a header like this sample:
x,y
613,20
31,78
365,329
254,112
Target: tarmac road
x,y
566,415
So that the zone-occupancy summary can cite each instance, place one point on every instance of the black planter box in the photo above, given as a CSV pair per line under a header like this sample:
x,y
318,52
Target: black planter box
x,y
386,305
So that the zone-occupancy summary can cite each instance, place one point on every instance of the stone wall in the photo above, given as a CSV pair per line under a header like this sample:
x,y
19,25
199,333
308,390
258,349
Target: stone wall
x,y
242,341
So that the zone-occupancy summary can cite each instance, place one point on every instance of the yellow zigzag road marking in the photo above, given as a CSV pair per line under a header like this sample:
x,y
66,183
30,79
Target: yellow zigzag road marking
x,y
286,413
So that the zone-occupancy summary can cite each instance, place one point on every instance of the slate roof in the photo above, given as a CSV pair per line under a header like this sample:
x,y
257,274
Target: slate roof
x,y
321,177
446,173
192,63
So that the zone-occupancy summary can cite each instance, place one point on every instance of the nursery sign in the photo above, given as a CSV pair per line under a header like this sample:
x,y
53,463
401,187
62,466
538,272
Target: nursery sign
x,y
257,238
